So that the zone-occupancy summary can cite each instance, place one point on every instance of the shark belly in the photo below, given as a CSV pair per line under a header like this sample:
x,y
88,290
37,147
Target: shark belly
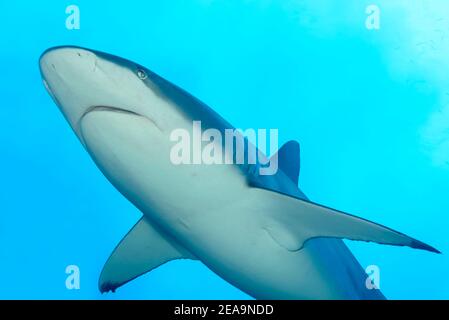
x,y
198,206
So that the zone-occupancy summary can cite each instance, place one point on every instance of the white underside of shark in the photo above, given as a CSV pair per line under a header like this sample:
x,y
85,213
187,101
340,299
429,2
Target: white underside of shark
x,y
260,233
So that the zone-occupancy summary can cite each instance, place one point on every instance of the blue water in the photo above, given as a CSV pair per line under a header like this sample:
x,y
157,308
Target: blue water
x,y
369,107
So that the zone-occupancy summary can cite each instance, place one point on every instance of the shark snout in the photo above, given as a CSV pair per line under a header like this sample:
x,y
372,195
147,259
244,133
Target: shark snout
x,y
80,80
67,77
66,61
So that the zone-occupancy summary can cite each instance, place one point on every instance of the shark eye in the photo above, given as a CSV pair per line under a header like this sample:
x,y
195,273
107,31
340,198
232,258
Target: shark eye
x,y
141,74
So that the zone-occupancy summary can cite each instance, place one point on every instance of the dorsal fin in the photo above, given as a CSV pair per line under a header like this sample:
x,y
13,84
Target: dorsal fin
x,y
288,160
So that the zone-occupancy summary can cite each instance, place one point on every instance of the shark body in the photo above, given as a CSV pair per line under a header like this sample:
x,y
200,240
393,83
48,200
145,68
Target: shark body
x,y
260,233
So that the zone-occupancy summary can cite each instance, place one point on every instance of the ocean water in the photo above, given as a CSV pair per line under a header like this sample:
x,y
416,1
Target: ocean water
x,y
370,108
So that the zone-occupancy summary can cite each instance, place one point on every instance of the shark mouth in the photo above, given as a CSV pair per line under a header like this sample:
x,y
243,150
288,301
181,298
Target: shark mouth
x,y
110,109
115,110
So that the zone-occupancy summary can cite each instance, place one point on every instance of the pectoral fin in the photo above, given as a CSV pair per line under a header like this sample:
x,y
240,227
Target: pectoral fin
x,y
291,222
141,250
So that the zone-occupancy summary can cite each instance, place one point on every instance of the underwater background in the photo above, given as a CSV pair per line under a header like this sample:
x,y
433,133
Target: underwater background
x,y
370,108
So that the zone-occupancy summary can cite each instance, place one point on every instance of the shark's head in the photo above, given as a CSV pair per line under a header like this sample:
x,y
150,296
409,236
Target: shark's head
x,y
80,80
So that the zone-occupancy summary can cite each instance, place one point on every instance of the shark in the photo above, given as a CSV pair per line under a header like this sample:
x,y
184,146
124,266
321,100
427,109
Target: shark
x,y
258,232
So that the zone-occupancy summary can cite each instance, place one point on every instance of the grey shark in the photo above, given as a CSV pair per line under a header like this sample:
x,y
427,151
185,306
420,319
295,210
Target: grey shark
x,y
258,232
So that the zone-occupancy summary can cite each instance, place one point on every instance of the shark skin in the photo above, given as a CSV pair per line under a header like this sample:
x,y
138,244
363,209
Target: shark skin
x,y
259,233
